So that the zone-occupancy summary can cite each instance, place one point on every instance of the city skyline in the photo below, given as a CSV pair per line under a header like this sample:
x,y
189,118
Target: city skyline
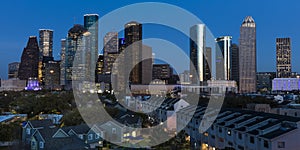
x,y
265,36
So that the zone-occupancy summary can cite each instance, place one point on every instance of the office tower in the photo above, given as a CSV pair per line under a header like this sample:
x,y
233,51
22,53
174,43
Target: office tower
x,y
46,42
46,51
223,58
13,69
29,60
247,55
162,72
208,63
52,75
91,24
133,33
235,63
74,44
62,61
197,53
147,64
283,57
110,50
100,66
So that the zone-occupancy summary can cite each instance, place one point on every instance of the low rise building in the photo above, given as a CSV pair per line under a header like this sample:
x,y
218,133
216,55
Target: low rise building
x,y
13,84
238,129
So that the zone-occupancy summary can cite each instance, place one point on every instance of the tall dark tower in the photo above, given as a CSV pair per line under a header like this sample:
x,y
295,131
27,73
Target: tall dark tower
x,y
29,60
247,54
133,33
235,63
283,57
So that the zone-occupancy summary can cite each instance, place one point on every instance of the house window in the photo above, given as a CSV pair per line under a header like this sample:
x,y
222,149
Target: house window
x,y
28,131
90,137
240,136
266,144
206,134
41,144
81,137
220,129
97,135
252,139
229,132
114,130
281,144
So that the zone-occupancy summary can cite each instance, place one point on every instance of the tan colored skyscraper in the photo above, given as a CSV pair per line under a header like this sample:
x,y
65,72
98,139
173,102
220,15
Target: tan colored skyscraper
x,y
283,57
247,54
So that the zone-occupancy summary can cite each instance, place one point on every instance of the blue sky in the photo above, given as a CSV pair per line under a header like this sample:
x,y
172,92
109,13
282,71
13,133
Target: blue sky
x,y
23,18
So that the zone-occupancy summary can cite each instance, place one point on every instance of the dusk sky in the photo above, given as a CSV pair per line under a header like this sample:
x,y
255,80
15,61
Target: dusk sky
x,y
23,18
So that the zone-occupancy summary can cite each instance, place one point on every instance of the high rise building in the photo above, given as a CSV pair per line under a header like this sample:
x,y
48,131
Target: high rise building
x,y
74,44
46,42
110,51
223,58
162,72
63,62
147,64
91,24
197,53
46,52
235,63
247,55
29,60
208,63
52,75
133,33
13,69
283,57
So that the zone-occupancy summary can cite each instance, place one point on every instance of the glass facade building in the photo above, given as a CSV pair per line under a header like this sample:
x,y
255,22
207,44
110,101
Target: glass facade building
x,y
223,58
197,53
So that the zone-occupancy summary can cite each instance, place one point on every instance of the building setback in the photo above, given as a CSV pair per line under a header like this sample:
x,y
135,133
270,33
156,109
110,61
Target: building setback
x,y
283,57
29,60
247,56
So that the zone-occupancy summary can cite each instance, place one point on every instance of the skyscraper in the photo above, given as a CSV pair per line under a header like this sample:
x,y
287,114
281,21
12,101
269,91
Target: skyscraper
x,y
63,62
110,50
46,42
223,58
235,63
13,69
52,75
46,52
208,63
29,60
74,44
133,33
147,64
197,53
91,24
247,54
283,57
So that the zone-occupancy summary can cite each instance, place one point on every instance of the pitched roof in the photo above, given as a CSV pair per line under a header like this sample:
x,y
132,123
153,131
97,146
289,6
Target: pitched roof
x,y
41,123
